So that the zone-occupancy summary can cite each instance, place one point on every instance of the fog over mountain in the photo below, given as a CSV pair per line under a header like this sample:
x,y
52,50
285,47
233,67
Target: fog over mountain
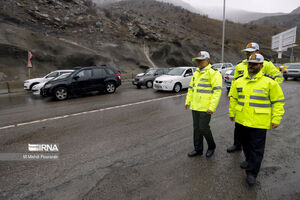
x,y
235,15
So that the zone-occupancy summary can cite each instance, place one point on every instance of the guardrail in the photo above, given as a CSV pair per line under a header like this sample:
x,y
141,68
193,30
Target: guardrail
x,y
11,87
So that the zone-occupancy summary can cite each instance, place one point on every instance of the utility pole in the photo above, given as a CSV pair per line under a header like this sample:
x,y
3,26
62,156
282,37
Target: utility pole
x,y
223,35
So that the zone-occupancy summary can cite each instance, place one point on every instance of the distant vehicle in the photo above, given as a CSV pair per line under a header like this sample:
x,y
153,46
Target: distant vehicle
x,y
148,78
142,74
176,79
36,89
28,84
229,76
223,67
292,71
83,80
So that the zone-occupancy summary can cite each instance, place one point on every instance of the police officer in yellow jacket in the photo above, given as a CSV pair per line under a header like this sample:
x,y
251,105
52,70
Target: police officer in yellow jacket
x,y
241,70
203,97
268,66
256,104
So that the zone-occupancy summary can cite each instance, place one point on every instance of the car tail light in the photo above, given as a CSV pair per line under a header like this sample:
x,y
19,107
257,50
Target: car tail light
x,y
119,76
227,77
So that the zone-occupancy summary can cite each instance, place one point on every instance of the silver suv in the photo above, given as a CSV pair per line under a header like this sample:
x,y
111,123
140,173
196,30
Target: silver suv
x,y
223,67
293,71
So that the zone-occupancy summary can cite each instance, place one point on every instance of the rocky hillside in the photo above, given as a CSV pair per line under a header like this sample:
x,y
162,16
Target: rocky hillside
x,y
129,35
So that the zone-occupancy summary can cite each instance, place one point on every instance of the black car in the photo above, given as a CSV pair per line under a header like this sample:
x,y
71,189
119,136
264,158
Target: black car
x,y
83,80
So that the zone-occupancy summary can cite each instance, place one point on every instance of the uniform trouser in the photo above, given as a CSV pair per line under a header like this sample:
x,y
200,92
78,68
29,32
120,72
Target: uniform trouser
x,y
236,138
202,129
253,142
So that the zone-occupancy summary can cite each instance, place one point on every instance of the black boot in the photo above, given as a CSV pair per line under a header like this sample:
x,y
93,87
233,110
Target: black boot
x,y
244,165
194,153
234,148
251,180
209,153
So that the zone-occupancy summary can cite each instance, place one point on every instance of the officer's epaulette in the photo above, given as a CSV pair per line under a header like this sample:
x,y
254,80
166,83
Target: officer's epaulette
x,y
239,77
270,76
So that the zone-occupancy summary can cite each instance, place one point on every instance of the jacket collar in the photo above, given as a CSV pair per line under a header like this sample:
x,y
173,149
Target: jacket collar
x,y
256,76
208,67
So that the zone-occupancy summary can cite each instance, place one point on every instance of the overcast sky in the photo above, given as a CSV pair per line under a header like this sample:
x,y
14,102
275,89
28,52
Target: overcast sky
x,y
265,6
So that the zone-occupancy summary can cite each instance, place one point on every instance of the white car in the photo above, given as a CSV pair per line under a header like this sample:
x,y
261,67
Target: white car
x,y
223,67
28,84
176,79
36,89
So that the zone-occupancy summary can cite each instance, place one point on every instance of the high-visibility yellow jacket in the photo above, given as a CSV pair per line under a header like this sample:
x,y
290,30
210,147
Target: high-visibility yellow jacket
x,y
205,89
256,102
268,68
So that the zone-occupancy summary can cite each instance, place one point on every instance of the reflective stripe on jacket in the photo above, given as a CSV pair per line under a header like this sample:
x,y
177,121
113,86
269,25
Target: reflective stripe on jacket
x,y
256,102
205,90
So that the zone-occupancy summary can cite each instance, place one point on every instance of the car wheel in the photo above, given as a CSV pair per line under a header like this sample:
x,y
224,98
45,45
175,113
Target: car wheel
x,y
177,87
61,93
110,87
31,86
149,84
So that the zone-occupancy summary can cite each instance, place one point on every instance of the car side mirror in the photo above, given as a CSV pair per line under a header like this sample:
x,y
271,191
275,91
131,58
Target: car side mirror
x,y
76,77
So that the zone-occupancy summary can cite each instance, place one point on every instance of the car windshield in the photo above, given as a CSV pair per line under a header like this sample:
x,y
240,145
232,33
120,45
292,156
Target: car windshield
x,y
176,72
150,72
65,75
217,65
51,75
293,66
74,72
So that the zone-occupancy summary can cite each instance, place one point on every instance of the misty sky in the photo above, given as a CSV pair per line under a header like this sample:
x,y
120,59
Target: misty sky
x,y
265,6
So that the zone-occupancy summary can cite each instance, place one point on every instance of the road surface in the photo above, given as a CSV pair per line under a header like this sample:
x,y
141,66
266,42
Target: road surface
x,y
133,145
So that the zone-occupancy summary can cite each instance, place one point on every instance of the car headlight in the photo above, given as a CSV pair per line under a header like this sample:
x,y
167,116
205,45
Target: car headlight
x,y
169,81
48,85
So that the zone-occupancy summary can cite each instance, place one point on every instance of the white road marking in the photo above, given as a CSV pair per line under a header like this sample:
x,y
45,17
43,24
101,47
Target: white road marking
x,y
88,112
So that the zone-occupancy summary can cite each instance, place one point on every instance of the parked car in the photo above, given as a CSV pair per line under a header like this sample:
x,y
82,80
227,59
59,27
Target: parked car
x,y
148,78
36,89
229,76
223,67
142,74
292,71
83,80
28,84
175,80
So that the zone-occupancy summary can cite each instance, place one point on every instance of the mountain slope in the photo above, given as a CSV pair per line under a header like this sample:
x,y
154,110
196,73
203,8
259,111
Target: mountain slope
x,y
82,34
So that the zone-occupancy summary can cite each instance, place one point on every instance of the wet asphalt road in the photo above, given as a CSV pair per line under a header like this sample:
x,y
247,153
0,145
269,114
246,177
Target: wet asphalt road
x,y
138,150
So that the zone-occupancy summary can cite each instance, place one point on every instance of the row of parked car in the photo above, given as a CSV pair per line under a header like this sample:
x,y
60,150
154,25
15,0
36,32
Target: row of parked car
x,y
168,79
173,79
64,83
